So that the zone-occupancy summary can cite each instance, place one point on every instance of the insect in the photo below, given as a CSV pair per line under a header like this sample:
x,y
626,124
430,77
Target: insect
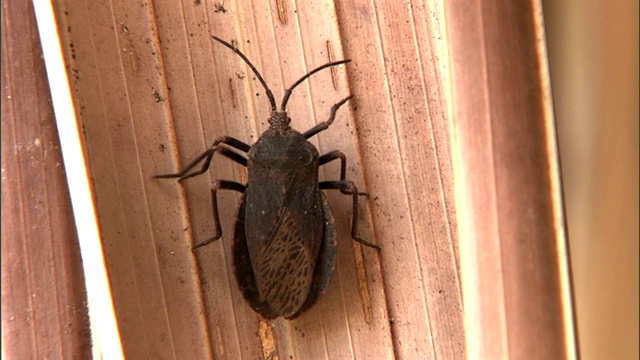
x,y
285,237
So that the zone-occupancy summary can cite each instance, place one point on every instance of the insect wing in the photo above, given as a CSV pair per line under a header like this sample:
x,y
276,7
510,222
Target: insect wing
x,y
326,263
284,267
323,271
283,231
243,268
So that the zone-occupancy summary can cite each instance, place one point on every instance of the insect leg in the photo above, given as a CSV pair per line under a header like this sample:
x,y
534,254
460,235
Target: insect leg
x,y
325,124
208,155
219,185
337,154
333,155
349,187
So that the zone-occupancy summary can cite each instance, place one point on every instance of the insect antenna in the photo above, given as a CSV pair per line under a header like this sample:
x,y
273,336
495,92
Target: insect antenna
x,y
287,92
272,100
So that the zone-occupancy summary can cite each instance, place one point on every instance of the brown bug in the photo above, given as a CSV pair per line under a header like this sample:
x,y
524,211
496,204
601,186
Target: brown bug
x,y
285,237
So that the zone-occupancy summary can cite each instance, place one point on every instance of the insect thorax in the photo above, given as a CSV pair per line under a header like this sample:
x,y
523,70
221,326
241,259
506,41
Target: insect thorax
x,y
283,148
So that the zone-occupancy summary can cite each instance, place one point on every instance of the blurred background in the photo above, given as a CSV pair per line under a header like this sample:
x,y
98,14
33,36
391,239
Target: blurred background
x,y
593,56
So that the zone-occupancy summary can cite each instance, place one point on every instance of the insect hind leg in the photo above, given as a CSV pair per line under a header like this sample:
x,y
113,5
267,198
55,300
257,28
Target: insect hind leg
x,y
350,188
219,185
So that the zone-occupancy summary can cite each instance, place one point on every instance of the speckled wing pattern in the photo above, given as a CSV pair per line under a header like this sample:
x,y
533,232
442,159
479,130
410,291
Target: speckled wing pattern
x,y
284,267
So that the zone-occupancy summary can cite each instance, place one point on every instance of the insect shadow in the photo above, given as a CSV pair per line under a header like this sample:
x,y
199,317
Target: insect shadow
x,y
285,238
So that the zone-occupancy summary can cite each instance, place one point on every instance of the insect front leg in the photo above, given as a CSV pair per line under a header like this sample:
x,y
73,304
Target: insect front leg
x,y
208,156
325,124
337,154
350,188
218,185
